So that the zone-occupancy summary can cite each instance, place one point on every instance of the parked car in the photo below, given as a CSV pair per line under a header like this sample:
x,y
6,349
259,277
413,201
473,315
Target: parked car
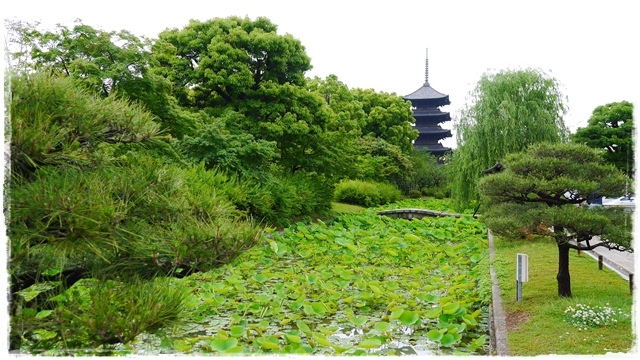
x,y
627,202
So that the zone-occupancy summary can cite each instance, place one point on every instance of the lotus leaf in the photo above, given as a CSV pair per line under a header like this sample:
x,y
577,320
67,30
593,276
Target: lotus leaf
x,y
408,318
222,345
447,340
434,335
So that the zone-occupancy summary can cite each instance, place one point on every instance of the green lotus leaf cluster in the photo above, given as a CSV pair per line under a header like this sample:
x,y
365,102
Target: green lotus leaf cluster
x,y
357,285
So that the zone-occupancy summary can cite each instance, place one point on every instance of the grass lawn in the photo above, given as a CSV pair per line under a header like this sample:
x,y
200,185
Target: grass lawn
x,y
538,325
341,208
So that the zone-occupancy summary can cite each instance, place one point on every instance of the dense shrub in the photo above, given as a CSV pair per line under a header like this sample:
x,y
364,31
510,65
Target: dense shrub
x,y
225,148
143,219
95,313
91,197
366,193
438,192
380,161
279,199
426,171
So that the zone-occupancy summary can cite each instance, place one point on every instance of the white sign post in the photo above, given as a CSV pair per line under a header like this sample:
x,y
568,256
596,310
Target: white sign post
x,y
522,273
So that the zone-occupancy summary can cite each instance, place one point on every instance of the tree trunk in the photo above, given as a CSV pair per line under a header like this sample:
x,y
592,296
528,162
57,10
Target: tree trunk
x,y
564,280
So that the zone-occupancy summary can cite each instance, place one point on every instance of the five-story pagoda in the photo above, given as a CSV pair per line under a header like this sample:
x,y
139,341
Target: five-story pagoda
x,y
426,103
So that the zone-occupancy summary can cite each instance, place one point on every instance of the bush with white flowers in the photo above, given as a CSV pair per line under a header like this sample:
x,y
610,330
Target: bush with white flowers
x,y
585,316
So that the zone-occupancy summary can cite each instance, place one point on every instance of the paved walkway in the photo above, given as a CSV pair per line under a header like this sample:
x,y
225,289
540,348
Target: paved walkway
x,y
622,262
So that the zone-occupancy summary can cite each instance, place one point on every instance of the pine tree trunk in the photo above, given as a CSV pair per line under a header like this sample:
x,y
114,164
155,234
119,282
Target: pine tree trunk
x,y
564,280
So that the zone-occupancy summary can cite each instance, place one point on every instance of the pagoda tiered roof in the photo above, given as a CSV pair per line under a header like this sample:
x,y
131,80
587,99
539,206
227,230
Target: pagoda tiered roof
x,y
431,131
426,92
435,149
426,102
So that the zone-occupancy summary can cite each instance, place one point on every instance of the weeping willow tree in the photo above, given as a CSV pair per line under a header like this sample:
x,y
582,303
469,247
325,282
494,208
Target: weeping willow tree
x,y
505,113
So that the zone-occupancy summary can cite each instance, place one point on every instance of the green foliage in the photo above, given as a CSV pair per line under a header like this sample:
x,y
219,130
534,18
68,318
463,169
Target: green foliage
x,y
107,63
377,128
366,193
93,314
380,161
53,122
342,101
388,117
426,175
89,199
307,136
283,198
144,219
611,128
219,61
539,191
442,192
228,150
243,66
508,111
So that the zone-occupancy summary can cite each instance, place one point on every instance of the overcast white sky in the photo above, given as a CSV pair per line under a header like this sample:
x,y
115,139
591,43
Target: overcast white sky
x,y
588,46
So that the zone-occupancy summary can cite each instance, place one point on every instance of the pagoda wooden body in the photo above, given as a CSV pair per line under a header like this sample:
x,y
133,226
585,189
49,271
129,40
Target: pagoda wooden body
x,y
426,103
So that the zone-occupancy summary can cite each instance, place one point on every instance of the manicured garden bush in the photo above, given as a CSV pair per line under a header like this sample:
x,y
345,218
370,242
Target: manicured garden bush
x,y
366,193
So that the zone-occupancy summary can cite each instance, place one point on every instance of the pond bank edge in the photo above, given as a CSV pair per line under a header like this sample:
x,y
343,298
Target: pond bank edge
x,y
497,318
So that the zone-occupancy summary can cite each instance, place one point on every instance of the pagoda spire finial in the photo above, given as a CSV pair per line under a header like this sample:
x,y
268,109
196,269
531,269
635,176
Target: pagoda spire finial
x,y
426,69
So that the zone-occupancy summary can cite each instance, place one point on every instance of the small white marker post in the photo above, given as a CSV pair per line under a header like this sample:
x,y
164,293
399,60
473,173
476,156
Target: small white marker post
x,y
522,273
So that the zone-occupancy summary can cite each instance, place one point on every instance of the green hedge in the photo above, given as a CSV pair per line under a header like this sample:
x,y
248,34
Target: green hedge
x,y
366,193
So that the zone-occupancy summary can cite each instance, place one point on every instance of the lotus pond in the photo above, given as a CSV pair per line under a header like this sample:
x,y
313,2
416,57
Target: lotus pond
x,y
360,284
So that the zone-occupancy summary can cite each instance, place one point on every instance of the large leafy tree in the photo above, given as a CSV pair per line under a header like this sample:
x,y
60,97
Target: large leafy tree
x,y
388,117
611,128
342,101
224,60
300,123
539,192
110,63
507,112
243,66
377,124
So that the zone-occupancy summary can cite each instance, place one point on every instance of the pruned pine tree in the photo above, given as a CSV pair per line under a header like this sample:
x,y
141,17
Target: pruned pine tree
x,y
541,191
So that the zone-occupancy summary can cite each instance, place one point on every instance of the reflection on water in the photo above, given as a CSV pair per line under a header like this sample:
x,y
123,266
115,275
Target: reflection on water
x,y
393,347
